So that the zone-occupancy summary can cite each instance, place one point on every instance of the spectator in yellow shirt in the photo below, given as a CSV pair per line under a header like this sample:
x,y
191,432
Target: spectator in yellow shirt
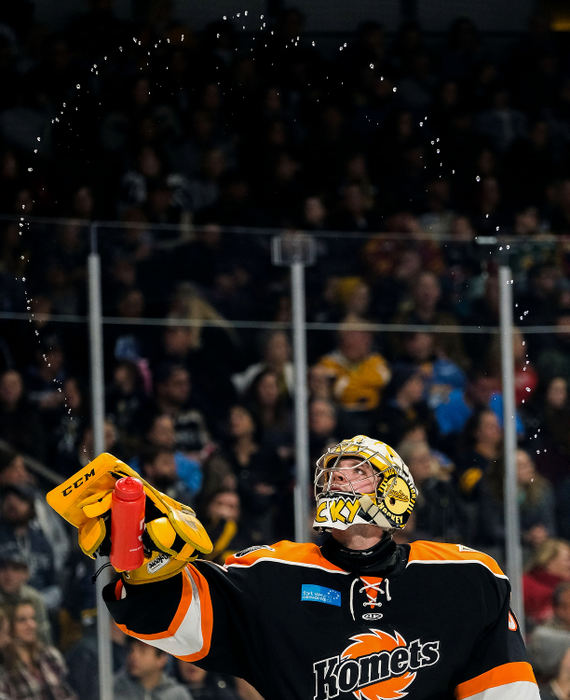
x,y
357,373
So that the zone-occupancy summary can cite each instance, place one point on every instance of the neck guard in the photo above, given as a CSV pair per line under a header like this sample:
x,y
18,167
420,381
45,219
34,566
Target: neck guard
x,y
384,559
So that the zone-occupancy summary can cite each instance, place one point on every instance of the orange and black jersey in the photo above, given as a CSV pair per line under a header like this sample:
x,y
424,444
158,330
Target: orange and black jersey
x,y
299,627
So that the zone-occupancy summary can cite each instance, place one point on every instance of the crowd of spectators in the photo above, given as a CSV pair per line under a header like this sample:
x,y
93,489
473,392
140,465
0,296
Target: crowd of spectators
x,y
401,157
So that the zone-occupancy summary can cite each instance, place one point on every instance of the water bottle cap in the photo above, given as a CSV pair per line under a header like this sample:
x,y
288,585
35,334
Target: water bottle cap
x,y
128,488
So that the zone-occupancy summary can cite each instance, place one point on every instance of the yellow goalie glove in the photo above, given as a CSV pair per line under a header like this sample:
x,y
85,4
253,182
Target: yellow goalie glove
x,y
173,534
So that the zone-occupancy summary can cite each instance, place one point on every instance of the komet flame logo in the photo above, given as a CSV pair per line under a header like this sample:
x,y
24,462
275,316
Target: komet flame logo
x,y
376,666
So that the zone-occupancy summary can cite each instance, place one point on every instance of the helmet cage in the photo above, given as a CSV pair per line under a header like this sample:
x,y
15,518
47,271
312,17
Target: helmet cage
x,y
390,502
324,476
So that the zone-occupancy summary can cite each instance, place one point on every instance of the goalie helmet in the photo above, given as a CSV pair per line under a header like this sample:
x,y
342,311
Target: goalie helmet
x,y
375,487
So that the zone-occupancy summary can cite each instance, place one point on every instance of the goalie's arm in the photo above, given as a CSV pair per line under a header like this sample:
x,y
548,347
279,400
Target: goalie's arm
x,y
193,615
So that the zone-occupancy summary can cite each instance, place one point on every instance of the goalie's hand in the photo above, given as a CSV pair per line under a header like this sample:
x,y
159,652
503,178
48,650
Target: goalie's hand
x,y
172,531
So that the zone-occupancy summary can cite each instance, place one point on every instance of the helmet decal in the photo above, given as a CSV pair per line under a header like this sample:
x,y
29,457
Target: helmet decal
x,y
347,493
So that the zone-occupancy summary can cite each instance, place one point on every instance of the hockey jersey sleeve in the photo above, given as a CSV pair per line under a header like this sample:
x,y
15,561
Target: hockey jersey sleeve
x,y
176,615
497,667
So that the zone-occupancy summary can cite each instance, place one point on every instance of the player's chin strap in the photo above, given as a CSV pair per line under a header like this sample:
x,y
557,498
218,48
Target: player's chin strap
x,y
374,513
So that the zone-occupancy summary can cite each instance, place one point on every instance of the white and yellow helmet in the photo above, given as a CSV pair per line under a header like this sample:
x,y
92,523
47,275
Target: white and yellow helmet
x,y
388,506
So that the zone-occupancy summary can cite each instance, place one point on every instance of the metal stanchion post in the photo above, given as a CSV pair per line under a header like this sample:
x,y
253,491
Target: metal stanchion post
x,y
98,410
297,250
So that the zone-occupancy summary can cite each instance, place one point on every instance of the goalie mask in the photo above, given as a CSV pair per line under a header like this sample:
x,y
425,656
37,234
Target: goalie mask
x,y
362,481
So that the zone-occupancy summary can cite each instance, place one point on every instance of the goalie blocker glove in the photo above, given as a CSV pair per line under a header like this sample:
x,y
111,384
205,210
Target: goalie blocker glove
x,y
173,534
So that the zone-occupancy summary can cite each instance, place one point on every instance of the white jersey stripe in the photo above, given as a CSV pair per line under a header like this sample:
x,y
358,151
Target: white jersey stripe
x,y
188,637
519,690
291,563
456,561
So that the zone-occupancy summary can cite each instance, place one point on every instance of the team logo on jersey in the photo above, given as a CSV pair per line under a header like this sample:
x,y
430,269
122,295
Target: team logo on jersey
x,y
375,666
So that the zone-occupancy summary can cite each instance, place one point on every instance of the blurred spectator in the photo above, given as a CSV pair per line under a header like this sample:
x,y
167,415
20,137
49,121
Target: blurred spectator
x,y
535,153
485,438
438,217
158,466
549,640
258,474
202,346
462,262
358,375
32,669
353,213
136,182
4,632
44,379
321,384
86,451
161,432
145,674
323,427
13,471
462,51
129,342
14,575
458,407
67,431
554,360
501,123
19,530
440,375
536,502
537,302
560,219
559,686
221,514
125,397
276,356
204,190
84,655
483,310
488,209
20,423
535,497
423,308
547,568
525,377
272,411
205,685
403,405
173,396
347,297
563,508
439,511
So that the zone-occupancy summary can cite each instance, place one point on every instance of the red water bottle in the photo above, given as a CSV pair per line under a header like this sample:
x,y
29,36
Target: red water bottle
x,y
127,524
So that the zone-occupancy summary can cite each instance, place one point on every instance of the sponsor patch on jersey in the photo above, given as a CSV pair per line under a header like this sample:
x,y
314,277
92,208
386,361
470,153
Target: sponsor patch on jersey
x,y
320,594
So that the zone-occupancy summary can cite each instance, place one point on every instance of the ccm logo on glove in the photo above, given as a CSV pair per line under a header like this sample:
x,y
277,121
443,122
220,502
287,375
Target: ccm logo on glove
x,y
77,483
